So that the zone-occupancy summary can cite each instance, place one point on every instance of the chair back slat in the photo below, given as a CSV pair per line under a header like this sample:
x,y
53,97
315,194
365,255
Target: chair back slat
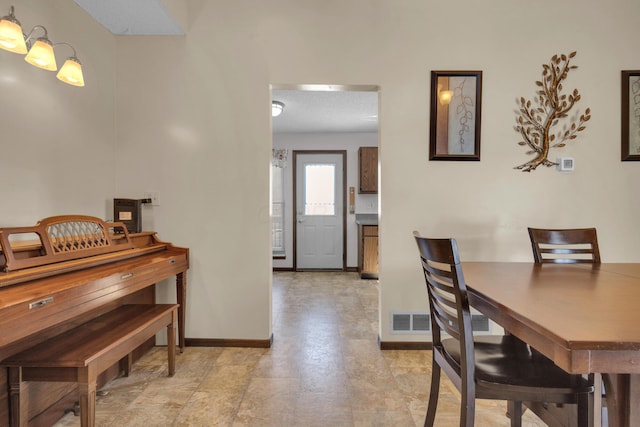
x,y
566,246
447,292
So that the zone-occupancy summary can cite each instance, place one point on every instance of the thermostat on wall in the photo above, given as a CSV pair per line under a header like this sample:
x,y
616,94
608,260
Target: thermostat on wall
x,y
565,164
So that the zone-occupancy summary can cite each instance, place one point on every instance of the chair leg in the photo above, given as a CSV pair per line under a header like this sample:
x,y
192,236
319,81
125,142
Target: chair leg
x,y
515,411
584,410
433,396
468,405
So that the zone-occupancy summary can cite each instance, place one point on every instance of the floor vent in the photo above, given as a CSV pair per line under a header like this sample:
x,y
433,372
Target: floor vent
x,y
420,323
480,323
410,323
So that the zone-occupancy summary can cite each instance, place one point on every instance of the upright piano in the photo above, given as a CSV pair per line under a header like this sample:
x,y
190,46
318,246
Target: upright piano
x,y
64,271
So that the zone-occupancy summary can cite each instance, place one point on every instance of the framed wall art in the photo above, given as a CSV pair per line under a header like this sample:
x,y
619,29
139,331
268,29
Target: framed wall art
x,y
631,115
456,98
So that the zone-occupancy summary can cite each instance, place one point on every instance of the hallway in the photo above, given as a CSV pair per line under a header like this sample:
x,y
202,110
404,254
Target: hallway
x,y
324,369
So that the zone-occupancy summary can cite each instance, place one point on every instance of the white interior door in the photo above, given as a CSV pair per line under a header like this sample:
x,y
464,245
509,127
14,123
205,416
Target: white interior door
x,y
319,211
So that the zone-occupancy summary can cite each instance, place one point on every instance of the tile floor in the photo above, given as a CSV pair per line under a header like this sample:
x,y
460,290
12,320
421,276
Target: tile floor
x,y
324,369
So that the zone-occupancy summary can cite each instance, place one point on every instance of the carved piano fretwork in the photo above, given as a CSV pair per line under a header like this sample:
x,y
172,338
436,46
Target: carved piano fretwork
x,y
66,270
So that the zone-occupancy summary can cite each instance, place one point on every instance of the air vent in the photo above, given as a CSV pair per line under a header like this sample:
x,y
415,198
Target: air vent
x,y
410,323
401,322
420,323
479,323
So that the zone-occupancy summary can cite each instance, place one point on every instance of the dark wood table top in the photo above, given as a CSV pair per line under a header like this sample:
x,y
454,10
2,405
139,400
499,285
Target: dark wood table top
x,y
585,318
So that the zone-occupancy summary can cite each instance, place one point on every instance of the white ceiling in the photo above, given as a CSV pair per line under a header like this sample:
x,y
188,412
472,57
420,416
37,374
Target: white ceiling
x,y
132,17
326,111
317,108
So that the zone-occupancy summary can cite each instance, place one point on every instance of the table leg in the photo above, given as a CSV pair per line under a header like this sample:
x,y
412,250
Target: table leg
x,y
634,399
622,392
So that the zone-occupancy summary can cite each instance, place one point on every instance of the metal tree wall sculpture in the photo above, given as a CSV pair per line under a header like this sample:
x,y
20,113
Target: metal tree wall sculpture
x,y
536,121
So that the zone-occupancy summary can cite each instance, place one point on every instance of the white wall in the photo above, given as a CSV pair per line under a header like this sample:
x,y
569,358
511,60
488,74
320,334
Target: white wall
x,y
364,203
192,122
197,110
57,144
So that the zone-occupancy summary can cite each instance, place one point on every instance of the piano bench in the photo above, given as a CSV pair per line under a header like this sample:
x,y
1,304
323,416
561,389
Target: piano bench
x,y
81,354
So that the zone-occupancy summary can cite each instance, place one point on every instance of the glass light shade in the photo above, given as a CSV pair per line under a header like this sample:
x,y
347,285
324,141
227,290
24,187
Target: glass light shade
x,y
276,108
71,72
11,37
41,55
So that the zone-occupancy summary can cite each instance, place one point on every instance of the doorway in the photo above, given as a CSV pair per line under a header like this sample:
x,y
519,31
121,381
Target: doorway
x,y
320,118
319,210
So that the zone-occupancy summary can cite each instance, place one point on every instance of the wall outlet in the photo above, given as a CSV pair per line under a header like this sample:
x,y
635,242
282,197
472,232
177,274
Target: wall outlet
x,y
153,195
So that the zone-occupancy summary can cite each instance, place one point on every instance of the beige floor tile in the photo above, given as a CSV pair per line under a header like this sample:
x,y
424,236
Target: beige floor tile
x,y
324,369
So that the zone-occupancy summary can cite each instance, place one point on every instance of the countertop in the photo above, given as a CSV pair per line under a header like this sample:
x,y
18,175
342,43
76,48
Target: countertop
x,y
367,219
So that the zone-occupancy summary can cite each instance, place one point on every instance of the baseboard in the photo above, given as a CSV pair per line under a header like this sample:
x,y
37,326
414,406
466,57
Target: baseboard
x,y
405,345
348,269
223,342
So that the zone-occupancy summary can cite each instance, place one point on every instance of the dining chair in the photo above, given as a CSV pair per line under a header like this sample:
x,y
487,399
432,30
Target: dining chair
x,y
498,367
570,245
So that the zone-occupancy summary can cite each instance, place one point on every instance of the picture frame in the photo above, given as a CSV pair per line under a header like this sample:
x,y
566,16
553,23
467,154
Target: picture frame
x,y
456,101
630,122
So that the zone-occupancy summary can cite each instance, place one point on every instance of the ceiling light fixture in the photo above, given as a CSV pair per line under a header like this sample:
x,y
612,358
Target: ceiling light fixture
x,y
276,108
40,52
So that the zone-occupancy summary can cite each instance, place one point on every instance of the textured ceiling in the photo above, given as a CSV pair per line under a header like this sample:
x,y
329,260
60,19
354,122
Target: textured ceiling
x,y
318,108
132,17
326,111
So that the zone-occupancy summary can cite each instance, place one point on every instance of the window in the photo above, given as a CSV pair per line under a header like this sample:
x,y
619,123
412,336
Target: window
x,y
277,211
320,190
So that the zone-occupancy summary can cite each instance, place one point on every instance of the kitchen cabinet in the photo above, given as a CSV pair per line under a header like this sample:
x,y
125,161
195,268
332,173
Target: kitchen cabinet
x,y
368,170
368,251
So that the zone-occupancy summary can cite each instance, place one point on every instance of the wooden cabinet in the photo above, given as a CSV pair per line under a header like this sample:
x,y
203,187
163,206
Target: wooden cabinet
x,y
368,170
368,251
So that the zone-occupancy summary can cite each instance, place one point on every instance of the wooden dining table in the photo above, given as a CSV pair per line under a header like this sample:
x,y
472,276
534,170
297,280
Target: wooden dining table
x,y
586,318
